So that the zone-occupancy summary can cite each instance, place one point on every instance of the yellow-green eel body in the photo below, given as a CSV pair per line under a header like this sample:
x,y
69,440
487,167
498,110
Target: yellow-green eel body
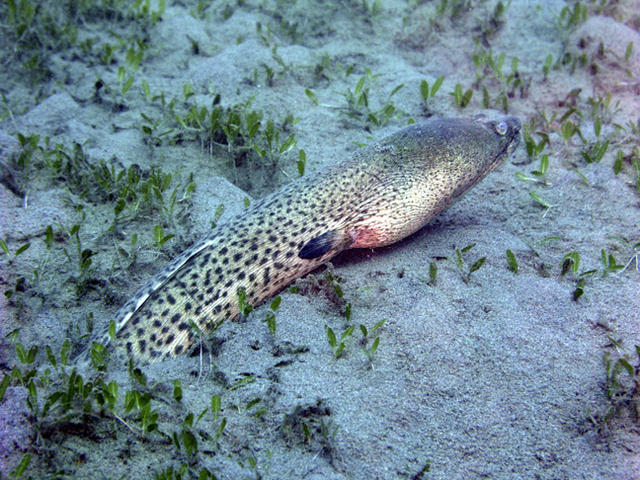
x,y
378,196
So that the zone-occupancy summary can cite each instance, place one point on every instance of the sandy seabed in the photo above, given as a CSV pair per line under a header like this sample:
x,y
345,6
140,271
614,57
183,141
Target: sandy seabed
x,y
496,374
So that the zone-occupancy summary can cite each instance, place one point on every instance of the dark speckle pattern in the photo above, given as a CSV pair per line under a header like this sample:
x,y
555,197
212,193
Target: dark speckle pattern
x,y
380,195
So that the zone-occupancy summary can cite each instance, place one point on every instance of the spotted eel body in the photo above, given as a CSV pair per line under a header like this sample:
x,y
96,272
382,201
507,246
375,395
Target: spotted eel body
x,y
381,194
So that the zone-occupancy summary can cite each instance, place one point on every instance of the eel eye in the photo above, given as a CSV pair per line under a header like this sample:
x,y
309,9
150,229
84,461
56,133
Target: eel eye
x,y
501,127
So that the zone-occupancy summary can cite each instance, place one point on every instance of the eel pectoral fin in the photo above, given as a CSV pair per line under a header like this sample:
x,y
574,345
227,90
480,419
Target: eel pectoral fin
x,y
324,243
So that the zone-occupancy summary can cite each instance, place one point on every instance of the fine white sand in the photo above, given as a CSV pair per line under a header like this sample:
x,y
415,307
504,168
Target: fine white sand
x,y
496,377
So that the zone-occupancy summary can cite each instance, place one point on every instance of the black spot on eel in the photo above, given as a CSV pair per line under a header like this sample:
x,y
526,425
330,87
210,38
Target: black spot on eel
x,y
381,194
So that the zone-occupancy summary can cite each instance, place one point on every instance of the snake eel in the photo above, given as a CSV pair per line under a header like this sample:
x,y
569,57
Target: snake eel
x,y
381,194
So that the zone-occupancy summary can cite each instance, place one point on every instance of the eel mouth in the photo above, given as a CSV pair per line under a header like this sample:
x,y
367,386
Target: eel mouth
x,y
512,141
514,134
